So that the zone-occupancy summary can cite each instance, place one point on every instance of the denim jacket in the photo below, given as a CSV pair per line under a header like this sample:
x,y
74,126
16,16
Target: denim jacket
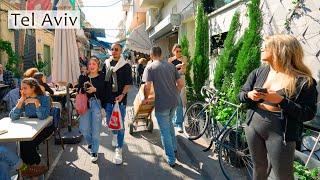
x,y
31,111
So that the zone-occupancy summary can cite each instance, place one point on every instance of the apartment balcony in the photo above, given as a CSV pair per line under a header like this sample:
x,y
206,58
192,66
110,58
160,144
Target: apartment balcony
x,y
153,3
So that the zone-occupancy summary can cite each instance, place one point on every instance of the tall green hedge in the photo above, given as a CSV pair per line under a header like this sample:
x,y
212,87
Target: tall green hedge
x,y
224,67
239,58
185,52
249,55
200,64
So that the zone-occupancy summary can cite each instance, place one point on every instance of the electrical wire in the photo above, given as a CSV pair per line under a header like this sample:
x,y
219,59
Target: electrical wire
x,y
110,5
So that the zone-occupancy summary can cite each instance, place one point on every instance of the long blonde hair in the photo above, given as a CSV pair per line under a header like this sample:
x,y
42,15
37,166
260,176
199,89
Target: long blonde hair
x,y
287,55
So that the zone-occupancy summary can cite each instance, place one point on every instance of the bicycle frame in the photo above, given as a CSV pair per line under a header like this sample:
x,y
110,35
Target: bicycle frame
x,y
226,126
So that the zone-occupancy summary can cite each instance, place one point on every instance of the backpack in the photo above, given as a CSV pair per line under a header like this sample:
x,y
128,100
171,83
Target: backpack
x,y
81,103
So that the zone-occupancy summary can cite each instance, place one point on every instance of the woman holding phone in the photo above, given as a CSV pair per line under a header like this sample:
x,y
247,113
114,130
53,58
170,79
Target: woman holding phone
x,y
94,86
281,95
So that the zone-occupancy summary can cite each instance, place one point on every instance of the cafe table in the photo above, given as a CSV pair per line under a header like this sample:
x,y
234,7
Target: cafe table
x,y
23,129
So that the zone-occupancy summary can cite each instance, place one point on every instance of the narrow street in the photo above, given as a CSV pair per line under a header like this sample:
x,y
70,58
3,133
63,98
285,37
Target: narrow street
x,y
143,158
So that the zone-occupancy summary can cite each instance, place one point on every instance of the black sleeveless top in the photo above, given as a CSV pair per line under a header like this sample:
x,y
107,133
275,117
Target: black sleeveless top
x,y
176,62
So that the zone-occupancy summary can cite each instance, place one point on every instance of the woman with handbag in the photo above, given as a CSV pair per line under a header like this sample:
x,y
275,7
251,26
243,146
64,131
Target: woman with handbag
x,y
93,85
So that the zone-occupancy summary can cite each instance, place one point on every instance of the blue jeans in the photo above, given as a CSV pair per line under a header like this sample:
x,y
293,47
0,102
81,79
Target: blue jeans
x,y
8,161
178,116
120,134
90,125
168,137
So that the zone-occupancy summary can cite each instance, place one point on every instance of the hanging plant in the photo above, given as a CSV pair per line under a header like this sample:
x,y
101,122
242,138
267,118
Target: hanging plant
x,y
13,63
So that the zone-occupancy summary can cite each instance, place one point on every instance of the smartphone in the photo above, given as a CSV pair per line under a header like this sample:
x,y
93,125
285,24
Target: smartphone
x,y
261,90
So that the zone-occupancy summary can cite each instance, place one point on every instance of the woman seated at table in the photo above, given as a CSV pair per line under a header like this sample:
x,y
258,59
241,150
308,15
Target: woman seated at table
x,y
34,104
42,80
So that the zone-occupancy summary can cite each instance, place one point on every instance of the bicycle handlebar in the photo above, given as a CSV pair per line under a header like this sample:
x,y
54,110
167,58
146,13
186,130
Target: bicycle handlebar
x,y
213,93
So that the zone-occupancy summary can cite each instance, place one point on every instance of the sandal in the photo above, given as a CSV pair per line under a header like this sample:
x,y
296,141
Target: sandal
x,y
34,171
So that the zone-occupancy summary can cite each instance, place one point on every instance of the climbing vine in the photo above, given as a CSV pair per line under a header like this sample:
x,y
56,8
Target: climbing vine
x,y
297,5
13,59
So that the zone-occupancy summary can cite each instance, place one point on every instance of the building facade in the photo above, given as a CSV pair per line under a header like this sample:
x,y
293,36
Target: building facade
x,y
5,33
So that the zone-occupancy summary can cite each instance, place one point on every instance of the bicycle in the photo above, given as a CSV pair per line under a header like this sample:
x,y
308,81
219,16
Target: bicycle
x,y
232,148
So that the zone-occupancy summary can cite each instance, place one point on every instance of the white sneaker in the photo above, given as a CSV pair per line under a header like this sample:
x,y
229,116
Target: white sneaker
x,y
114,142
118,156
179,129
94,157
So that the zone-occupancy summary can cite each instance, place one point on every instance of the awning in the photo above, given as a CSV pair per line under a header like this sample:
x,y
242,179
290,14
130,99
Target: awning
x,y
139,40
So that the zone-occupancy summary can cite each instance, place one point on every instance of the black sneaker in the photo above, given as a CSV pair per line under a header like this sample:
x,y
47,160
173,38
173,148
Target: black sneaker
x,y
89,147
172,165
94,157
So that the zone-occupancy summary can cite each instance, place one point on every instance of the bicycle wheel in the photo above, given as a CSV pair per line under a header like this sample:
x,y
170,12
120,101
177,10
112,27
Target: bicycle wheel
x,y
195,120
234,157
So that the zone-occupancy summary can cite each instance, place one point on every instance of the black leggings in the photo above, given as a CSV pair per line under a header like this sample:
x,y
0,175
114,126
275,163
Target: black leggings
x,y
265,137
28,150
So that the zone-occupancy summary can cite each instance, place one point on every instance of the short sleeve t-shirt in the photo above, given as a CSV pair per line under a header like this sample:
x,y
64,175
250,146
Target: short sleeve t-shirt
x,y
124,77
164,76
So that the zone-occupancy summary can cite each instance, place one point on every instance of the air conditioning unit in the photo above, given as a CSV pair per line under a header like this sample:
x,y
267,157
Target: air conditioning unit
x,y
152,17
126,5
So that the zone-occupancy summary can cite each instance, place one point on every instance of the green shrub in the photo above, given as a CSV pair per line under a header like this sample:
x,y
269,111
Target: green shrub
x,y
13,59
185,52
224,66
249,55
200,64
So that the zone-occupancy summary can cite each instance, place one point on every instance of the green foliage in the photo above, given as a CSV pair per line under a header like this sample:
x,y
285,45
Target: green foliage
x,y
185,52
224,67
13,59
41,65
249,55
238,59
200,64
303,173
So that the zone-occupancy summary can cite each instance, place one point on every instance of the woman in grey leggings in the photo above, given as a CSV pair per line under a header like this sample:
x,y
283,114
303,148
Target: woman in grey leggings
x,y
281,95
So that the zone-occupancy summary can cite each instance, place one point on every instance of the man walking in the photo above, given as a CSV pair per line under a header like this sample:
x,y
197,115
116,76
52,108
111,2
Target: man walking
x,y
167,85
119,76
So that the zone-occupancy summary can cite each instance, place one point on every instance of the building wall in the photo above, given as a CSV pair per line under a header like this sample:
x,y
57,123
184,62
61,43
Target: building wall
x,y
305,27
5,33
44,38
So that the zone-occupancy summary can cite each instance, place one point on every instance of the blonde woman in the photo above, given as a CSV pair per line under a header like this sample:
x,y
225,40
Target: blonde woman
x,y
94,86
281,96
180,63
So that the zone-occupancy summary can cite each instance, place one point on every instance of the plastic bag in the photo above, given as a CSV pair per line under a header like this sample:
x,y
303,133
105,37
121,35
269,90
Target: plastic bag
x,y
116,121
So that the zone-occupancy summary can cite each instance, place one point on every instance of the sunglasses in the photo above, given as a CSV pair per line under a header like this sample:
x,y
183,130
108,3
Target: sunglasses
x,y
114,49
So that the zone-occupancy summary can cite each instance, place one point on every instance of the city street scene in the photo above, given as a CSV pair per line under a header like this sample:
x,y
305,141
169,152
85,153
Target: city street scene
x,y
160,89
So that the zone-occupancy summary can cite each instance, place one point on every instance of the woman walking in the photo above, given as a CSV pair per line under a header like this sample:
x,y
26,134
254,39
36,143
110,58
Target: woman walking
x,y
281,95
90,123
180,62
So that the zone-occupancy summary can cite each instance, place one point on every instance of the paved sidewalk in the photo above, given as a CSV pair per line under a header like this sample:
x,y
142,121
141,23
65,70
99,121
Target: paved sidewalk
x,y
143,159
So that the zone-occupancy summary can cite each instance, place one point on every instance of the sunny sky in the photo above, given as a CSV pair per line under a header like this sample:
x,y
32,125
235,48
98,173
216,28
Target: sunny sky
x,y
104,17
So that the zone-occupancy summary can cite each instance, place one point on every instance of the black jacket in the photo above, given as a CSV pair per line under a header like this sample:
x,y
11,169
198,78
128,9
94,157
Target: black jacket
x,y
296,109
